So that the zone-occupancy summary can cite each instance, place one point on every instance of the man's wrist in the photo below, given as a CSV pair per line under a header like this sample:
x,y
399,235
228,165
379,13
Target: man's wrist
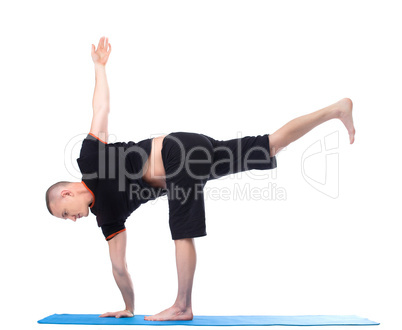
x,y
99,66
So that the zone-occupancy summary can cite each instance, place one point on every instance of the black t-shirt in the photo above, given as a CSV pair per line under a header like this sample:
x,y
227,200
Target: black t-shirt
x,y
112,172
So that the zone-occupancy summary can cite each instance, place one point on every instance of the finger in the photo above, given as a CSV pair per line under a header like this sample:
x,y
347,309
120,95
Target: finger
x,y
106,44
110,49
101,41
108,314
92,48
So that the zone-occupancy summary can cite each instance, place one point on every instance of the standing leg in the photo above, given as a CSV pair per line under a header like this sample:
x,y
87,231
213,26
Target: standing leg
x,y
296,128
185,262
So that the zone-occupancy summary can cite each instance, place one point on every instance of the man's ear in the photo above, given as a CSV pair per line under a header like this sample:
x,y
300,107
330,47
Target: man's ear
x,y
66,192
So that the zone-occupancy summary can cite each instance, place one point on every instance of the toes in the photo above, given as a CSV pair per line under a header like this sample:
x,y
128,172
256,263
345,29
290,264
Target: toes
x,y
352,136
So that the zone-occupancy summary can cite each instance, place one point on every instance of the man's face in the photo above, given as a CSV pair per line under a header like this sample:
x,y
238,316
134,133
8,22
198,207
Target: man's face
x,y
70,207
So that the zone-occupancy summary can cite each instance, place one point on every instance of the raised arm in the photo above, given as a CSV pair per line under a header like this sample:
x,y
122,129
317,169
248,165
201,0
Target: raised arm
x,y
117,251
100,102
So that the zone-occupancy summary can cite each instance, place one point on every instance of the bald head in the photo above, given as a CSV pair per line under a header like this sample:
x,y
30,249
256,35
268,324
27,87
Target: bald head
x,y
69,200
54,193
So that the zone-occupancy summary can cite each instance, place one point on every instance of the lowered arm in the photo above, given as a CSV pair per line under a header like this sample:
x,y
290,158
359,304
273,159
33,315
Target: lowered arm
x,y
117,251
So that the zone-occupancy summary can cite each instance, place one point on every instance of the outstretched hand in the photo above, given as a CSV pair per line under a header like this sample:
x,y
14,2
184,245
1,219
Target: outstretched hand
x,y
101,54
118,315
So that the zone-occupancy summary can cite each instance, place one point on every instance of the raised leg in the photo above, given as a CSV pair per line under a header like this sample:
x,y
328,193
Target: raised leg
x,y
297,127
185,261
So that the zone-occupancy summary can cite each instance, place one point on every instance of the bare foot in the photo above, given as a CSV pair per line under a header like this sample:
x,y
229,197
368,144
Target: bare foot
x,y
172,314
345,115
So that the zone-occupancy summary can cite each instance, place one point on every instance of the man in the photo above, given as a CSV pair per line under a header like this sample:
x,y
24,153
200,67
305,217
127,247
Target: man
x,y
119,177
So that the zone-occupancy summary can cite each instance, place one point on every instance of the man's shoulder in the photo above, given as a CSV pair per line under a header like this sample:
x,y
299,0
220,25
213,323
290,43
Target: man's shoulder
x,y
89,154
91,144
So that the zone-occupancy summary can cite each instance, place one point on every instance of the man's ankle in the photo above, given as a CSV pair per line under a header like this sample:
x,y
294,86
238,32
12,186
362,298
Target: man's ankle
x,y
183,306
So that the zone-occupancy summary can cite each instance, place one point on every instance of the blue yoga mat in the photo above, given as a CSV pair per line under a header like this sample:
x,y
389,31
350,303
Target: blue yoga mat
x,y
198,320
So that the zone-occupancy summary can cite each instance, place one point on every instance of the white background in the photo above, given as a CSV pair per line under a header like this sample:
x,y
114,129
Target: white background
x,y
222,68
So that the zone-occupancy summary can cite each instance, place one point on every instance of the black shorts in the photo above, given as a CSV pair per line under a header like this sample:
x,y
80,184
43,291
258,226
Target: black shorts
x,y
192,159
